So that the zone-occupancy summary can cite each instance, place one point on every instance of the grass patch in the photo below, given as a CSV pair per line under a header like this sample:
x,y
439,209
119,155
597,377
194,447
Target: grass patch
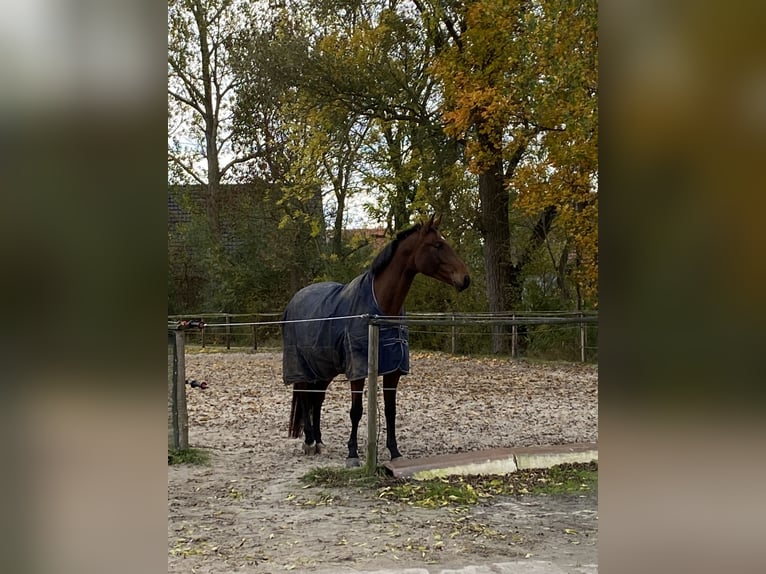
x,y
565,479
188,456
433,493
466,490
560,479
336,477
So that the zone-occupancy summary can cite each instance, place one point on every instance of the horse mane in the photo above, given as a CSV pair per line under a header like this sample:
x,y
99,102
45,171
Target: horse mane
x,y
383,258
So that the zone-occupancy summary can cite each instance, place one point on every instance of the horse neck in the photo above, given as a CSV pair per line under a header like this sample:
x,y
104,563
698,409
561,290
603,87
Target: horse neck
x,y
392,285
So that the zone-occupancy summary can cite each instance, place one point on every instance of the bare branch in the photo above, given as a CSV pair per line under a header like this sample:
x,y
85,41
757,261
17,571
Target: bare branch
x,y
217,15
187,101
449,24
515,159
237,160
188,169
226,89
540,128
185,79
226,138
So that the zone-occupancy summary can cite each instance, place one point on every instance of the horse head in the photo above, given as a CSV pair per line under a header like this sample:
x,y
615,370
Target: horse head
x,y
433,256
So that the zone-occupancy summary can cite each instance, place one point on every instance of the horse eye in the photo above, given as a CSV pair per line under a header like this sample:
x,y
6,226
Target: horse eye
x,y
439,245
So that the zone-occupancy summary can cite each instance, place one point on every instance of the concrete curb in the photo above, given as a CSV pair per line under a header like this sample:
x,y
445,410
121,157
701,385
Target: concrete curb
x,y
517,567
493,461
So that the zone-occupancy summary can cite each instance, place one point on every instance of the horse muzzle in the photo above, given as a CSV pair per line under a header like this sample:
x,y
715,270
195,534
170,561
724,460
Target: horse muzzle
x,y
462,285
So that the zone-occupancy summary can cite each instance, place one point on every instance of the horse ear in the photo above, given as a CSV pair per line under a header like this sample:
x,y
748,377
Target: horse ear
x,y
436,220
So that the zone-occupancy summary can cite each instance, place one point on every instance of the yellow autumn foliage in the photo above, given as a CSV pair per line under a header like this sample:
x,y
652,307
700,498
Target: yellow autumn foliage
x,y
524,75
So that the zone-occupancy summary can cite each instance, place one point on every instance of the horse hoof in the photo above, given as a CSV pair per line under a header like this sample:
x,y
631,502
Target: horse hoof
x,y
318,448
399,457
309,448
352,463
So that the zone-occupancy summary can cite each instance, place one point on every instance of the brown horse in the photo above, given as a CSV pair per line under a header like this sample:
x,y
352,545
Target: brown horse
x,y
325,336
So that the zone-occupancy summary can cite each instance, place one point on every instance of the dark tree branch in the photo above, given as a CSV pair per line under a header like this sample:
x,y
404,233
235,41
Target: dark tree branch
x,y
190,171
238,160
185,79
539,233
188,102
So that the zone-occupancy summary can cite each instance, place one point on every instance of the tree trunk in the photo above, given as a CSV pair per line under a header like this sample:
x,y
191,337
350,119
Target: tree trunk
x,y
337,237
496,231
504,278
561,272
210,119
399,216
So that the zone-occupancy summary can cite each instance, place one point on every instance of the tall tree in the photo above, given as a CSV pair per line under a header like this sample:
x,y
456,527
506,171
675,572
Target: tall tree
x,y
200,96
519,77
374,62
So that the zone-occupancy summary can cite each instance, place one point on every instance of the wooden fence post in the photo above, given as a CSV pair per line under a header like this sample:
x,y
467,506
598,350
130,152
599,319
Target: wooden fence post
x,y
582,339
454,335
178,420
514,336
228,331
371,464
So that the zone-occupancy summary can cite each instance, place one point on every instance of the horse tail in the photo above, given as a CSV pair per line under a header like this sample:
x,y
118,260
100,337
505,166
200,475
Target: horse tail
x,y
296,418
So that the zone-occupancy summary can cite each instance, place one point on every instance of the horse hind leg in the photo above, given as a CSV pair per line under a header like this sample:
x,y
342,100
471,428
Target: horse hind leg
x,y
301,416
318,400
295,428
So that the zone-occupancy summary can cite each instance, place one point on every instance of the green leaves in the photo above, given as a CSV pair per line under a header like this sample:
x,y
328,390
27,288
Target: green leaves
x,y
452,491
410,106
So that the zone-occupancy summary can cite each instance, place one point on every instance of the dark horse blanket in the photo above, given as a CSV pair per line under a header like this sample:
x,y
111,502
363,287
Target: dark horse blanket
x,y
320,350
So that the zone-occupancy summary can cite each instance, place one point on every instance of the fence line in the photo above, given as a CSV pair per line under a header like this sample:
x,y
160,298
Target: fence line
x,y
542,341
176,327
441,319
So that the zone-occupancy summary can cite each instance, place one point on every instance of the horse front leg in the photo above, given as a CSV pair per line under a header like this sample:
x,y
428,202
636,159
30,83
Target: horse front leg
x,y
357,388
390,383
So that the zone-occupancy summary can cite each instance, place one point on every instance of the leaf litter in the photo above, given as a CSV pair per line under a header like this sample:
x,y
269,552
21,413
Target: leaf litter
x,y
274,521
